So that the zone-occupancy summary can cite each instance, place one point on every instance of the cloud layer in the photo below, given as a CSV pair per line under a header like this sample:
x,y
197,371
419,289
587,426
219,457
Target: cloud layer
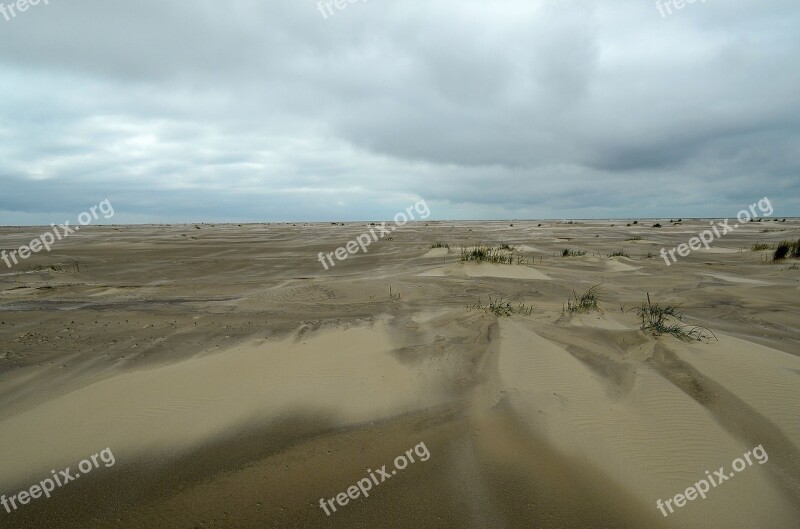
x,y
268,111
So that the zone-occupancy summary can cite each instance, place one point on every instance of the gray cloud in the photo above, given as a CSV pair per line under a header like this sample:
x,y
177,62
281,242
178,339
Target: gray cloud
x,y
268,111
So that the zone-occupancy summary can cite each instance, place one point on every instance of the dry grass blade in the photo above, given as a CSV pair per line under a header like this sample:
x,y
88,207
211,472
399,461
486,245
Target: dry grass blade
x,y
658,320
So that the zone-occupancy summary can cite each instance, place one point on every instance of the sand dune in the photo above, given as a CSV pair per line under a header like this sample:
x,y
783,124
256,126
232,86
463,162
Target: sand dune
x,y
172,406
653,440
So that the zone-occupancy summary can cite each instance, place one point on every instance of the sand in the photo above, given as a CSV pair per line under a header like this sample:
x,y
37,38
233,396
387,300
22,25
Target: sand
x,y
238,382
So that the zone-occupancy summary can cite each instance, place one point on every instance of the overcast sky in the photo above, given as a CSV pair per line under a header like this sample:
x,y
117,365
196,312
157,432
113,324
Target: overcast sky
x,y
266,110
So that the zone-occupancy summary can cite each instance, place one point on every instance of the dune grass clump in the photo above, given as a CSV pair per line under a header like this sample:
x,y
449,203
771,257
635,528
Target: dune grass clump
x,y
758,247
440,245
649,255
634,238
53,268
501,308
785,249
572,253
658,320
781,251
585,303
620,253
483,253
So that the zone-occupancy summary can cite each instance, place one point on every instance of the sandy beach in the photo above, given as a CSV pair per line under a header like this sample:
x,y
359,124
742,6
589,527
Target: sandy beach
x,y
238,382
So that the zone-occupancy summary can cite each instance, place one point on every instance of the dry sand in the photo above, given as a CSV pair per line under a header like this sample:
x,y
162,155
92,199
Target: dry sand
x,y
237,382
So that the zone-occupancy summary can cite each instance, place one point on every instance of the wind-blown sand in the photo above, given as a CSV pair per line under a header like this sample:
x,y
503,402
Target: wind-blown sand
x,y
237,382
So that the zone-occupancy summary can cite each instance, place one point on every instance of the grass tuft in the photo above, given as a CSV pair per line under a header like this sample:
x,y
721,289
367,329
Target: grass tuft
x,y
758,247
500,308
787,249
620,253
481,253
782,251
658,320
572,253
585,303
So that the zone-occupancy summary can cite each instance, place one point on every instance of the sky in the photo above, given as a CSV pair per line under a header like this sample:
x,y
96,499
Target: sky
x,y
288,110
